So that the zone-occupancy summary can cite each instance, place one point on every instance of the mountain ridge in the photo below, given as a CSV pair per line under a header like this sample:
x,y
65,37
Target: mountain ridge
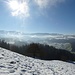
x,y
12,63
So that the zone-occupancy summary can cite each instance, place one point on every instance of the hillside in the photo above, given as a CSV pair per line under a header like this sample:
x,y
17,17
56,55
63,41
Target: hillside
x,y
12,63
59,41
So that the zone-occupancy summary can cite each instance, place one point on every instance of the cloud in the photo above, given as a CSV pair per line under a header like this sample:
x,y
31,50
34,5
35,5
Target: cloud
x,y
18,8
47,3
23,8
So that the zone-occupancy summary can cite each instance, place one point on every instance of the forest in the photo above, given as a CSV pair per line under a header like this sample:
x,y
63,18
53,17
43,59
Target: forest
x,y
40,51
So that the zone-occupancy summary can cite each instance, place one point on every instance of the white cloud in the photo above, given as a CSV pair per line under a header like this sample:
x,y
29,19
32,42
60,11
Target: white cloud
x,y
18,8
47,3
23,8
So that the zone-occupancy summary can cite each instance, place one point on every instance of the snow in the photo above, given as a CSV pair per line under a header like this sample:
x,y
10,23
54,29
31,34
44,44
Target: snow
x,y
12,63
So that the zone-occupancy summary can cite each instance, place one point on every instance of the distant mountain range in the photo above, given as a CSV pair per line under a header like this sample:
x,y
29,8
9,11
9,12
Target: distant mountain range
x,y
50,35
57,40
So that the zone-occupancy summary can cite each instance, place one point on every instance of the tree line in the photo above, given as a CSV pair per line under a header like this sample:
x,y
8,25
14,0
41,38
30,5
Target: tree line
x,y
40,51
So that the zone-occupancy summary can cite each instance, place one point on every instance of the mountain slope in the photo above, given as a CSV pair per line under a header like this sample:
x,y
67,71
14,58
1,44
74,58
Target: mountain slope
x,y
12,63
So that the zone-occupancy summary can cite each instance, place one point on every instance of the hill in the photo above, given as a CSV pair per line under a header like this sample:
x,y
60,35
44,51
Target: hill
x,y
12,63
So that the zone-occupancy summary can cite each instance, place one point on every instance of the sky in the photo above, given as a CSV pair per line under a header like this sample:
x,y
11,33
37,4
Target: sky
x,y
38,16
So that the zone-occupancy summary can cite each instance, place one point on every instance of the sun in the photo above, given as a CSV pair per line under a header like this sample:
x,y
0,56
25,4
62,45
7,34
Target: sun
x,y
18,8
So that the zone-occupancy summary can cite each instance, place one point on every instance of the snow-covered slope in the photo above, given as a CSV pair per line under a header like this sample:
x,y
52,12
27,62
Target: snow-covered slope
x,y
12,63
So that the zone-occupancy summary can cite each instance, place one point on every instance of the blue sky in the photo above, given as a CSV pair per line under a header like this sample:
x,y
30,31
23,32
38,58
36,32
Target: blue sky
x,y
38,16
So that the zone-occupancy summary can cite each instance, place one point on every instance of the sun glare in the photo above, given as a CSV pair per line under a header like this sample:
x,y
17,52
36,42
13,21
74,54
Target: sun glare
x,y
14,5
18,8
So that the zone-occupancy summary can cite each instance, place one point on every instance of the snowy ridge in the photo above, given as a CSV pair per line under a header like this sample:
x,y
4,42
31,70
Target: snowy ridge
x,y
12,63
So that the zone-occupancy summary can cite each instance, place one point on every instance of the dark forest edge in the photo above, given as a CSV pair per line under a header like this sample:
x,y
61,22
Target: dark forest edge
x,y
40,51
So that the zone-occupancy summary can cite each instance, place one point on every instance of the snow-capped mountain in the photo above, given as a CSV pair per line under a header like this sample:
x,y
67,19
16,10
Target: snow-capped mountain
x,y
12,63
